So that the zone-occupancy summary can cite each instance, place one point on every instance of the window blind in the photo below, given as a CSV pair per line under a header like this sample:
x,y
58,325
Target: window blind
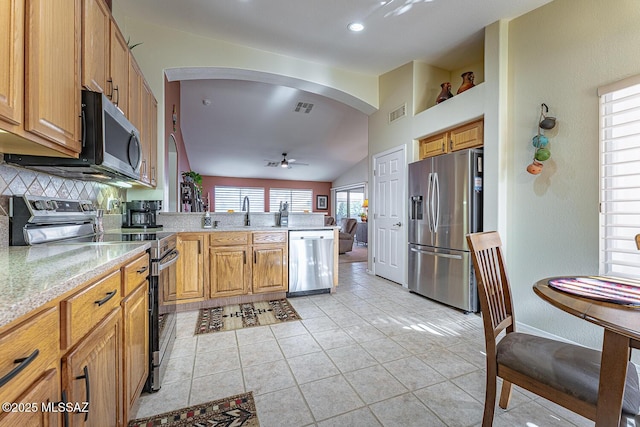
x,y
299,200
620,179
227,198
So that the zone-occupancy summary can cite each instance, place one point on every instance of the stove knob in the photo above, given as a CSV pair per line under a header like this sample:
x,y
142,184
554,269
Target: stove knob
x,y
47,205
39,205
54,205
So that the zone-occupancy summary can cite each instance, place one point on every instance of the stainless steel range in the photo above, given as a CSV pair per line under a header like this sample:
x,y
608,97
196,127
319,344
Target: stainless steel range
x,y
36,220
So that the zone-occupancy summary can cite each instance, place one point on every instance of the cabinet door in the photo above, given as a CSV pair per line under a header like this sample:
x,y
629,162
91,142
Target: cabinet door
x,y
190,266
229,270
136,344
92,372
153,139
119,69
96,20
45,391
145,131
467,136
433,145
270,268
52,86
12,60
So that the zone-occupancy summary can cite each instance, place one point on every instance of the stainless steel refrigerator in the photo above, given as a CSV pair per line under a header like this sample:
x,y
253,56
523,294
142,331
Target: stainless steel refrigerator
x,y
445,204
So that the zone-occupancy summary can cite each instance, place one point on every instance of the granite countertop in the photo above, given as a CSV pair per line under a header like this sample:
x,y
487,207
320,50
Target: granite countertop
x,y
188,229
31,276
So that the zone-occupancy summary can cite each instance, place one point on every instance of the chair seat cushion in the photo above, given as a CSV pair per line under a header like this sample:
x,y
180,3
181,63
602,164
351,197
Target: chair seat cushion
x,y
570,368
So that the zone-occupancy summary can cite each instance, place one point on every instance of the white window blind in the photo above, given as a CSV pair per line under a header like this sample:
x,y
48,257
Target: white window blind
x,y
620,178
227,198
299,200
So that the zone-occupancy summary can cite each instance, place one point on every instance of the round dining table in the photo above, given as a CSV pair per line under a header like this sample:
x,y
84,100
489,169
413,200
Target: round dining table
x,y
621,323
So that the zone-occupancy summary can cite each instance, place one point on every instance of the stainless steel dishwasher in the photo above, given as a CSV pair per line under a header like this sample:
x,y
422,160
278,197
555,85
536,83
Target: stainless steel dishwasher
x,y
310,262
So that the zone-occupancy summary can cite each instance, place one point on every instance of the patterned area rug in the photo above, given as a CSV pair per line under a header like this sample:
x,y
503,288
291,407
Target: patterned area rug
x,y
237,316
237,411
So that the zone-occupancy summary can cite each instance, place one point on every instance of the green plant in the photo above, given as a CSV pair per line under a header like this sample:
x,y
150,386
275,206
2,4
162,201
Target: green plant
x,y
130,45
195,176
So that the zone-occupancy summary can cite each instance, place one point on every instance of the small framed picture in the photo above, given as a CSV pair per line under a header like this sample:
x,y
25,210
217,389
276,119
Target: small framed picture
x,y
322,203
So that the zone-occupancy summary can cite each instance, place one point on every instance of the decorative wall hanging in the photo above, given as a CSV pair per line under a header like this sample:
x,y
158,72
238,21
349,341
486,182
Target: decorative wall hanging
x,y
467,81
541,142
445,93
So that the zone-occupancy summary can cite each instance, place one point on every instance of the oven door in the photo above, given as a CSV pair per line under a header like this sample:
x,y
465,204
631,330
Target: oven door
x,y
163,317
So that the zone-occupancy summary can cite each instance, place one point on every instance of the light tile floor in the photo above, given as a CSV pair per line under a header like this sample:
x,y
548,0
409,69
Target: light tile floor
x,y
371,354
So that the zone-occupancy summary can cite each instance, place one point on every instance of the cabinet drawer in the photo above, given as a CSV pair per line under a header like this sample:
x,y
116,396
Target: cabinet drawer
x,y
228,238
135,273
82,311
269,237
26,350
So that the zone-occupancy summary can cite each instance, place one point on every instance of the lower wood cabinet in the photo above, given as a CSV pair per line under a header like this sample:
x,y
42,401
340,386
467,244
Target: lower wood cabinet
x,y
92,372
270,273
29,360
229,271
135,312
189,284
45,393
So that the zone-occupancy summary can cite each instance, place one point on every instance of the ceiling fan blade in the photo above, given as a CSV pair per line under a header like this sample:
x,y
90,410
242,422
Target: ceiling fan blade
x,y
299,164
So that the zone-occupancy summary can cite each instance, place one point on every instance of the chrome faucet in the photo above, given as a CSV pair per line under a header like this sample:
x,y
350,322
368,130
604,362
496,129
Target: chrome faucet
x,y
245,205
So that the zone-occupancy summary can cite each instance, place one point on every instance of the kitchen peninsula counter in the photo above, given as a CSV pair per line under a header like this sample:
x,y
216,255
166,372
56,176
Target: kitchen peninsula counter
x,y
32,276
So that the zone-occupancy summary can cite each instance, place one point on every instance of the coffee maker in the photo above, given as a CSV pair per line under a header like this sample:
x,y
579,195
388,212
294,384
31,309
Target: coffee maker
x,y
141,214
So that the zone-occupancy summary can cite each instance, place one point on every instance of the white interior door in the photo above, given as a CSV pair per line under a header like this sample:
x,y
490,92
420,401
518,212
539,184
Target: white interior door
x,y
389,215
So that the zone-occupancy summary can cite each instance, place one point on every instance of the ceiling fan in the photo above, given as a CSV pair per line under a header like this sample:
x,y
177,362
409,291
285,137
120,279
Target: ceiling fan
x,y
284,163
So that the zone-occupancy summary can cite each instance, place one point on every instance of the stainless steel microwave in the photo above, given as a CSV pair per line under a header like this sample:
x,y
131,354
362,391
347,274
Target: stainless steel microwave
x,y
111,147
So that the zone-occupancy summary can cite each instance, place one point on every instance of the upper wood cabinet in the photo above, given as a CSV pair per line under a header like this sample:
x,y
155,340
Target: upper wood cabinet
x,y
118,82
52,86
465,136
134,102
152,115
12,58
96,23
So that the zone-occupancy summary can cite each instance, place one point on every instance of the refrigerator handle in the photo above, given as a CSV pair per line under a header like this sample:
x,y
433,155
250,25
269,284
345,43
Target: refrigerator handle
x,y
428,202
438,254
435,203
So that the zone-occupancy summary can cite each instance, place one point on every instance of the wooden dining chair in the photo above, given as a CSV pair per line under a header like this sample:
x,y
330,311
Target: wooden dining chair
x,y
563,373
638,241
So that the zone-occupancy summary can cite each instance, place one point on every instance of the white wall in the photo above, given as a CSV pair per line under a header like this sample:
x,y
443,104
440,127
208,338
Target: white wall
x,y
164,48
356,175
559,54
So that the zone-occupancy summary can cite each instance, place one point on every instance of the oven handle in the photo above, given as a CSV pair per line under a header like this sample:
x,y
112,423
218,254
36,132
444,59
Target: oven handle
x,y
172,259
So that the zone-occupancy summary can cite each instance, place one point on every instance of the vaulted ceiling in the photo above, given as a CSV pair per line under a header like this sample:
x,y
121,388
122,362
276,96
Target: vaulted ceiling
x,y
232,127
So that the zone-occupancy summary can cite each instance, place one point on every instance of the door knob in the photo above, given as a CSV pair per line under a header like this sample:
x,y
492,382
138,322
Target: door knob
x,y
399,224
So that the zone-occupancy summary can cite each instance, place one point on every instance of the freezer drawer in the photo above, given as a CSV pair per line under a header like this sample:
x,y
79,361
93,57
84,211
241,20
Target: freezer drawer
x,y
443,275
310,262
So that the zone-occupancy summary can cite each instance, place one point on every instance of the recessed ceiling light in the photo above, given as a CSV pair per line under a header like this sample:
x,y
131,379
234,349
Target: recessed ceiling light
x,y
355,27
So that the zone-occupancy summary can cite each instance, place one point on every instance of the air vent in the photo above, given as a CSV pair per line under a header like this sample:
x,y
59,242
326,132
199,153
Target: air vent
x,y
303,107
398,113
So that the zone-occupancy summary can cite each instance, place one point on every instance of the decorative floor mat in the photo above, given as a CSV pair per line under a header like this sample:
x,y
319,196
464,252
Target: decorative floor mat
x,y
237,316
237,411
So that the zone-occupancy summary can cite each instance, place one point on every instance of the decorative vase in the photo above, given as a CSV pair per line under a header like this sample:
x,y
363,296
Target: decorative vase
x,y
535,168
445,93
467,81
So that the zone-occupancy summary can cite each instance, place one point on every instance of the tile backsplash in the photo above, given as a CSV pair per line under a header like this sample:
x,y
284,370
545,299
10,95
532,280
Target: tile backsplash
x,y
15,181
